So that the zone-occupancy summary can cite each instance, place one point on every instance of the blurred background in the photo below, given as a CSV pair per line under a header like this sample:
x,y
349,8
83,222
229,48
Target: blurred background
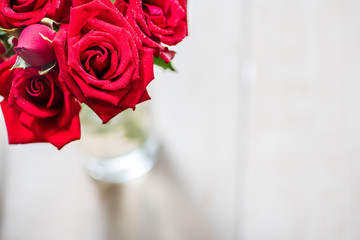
x,y
260,138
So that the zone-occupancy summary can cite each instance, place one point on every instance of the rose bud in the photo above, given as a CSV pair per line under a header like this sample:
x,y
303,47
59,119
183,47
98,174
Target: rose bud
x,y
34,45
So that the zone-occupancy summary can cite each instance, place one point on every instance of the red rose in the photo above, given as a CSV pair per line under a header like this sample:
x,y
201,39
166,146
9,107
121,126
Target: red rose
x,y
59,10
2,51
102,60
33,48
17,13
37,108
6,75
157,21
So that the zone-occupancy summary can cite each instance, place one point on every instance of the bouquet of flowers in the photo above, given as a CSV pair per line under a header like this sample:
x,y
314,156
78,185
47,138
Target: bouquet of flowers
x,y
59,54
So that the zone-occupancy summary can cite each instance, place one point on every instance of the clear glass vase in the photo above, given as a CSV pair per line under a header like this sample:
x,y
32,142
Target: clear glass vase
x,y
121,150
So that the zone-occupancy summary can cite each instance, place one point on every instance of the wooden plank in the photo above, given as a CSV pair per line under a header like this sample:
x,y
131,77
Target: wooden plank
x,y
303,163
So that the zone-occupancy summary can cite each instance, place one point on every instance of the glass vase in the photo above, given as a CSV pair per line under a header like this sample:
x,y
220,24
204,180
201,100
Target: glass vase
x,y
121,150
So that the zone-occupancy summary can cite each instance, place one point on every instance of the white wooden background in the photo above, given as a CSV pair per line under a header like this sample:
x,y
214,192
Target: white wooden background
x,y
260,130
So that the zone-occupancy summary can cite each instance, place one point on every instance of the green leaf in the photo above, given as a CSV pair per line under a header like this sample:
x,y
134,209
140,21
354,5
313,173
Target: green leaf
x,y
45,38
161,63
8,30
14,31
47,68
50,23
20,63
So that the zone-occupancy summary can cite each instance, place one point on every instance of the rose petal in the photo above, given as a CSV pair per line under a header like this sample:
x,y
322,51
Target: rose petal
x,y
61,49
17,133
23,16
49,130
6,76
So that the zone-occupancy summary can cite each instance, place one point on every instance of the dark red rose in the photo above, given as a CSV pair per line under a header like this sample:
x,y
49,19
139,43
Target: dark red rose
x,y
102,59
59,10
17,13
37,108
156,22
2,48
2,52
33,48
6,76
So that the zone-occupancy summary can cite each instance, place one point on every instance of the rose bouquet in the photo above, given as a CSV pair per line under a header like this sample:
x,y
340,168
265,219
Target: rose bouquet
x,y
59,54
